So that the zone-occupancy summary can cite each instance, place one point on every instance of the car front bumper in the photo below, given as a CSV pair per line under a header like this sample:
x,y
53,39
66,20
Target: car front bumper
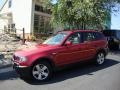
x,y
23,71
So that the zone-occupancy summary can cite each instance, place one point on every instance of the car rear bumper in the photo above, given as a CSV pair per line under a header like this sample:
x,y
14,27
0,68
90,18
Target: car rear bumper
x,y
106,51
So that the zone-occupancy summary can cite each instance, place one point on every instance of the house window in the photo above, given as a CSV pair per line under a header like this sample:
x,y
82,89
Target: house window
x,y
38,8
42,25
11,28
41,9
10,3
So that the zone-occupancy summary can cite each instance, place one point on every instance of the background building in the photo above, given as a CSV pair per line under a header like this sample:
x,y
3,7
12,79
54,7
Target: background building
x,y
27,14
30,15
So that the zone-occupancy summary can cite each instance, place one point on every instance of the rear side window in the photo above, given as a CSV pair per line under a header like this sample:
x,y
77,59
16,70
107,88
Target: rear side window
x,y
92,36
88,36
98,36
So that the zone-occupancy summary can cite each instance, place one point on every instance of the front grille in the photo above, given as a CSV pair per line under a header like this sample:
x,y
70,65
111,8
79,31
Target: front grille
x,y
15,57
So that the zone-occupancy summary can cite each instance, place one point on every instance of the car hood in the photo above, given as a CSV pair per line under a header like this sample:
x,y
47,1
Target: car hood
x,y
34,50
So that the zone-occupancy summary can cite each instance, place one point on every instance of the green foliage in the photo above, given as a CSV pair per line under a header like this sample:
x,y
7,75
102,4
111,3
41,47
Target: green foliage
x,y
81,14
33,38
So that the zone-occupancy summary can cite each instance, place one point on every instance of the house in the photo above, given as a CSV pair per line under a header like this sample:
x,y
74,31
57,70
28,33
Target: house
x,y
27,14
30,15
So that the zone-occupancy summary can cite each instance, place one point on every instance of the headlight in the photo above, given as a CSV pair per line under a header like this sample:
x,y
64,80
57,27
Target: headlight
x,y
22,59
19,58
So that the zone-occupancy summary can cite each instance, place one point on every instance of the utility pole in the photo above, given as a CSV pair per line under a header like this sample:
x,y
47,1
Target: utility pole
x,y
23,36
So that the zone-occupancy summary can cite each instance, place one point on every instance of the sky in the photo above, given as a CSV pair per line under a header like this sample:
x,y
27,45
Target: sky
x,y
1,2
115,19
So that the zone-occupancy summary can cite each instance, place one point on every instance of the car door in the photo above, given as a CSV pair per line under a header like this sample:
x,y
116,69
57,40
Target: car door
x,y
70,53
88,40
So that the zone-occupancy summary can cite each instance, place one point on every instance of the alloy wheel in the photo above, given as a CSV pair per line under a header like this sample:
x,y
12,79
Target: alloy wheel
x,y
100,58
40,72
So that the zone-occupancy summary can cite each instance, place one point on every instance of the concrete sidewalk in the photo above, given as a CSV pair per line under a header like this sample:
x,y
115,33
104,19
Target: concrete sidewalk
x,y
5,63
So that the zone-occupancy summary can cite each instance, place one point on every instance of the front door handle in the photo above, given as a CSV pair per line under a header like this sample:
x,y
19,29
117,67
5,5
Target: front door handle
x,y
95,45
79,48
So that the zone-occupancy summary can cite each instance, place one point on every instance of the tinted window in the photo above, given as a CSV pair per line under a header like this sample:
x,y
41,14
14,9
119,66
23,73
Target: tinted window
x,y
92,36
118,34
75,38
109,33
88,36
98,36
112,34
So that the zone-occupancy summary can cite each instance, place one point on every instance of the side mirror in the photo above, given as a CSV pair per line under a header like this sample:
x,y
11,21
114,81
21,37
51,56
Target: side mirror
x,y
68,43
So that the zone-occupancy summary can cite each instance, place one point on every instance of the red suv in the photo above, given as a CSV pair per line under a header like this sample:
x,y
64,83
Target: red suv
x,y
66,47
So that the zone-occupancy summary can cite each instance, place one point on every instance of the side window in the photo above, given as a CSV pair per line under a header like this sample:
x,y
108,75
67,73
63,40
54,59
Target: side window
x,y
118,35
75,38
88,36
98,36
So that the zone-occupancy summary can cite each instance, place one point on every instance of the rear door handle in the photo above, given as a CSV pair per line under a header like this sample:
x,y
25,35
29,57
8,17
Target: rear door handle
x,y
95,45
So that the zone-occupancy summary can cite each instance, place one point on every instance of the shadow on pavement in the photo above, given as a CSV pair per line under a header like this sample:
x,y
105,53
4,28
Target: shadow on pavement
x,y
68,73
10,75
75,71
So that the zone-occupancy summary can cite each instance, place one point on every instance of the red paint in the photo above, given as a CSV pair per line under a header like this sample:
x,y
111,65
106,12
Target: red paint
x,y
62,54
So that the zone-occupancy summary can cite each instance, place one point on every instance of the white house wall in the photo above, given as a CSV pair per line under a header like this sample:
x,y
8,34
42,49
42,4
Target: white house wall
x,y
22,14
3,21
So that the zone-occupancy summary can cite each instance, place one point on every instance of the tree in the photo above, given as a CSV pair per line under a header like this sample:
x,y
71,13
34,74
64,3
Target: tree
x,y
81,14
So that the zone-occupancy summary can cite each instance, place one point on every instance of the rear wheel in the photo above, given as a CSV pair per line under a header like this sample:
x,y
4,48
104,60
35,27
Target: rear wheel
x,y
100,58
119,46
41,71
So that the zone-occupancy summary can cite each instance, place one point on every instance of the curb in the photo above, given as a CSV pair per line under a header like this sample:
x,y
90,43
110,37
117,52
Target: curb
x,y
5,66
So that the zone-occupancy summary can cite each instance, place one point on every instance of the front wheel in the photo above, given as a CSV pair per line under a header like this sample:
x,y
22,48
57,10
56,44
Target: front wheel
x,y
41,71
100,58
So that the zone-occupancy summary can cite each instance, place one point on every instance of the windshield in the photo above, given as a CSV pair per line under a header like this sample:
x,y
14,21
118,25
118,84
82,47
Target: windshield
x,y
55,40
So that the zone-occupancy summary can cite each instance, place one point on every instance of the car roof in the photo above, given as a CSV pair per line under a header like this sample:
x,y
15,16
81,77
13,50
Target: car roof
x,y
73,31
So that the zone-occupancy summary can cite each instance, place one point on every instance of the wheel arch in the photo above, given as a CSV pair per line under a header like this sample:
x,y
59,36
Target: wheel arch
x,y
101,50
44,59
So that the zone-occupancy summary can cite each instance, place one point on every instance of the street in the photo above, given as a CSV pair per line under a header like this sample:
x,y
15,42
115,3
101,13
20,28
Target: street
x,y
81,77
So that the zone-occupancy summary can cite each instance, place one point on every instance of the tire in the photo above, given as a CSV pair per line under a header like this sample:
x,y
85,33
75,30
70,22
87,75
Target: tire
x,y
41,71
100,58
119,46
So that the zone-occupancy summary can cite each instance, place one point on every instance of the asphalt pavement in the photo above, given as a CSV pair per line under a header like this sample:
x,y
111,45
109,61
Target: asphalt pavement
x,y
79,77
